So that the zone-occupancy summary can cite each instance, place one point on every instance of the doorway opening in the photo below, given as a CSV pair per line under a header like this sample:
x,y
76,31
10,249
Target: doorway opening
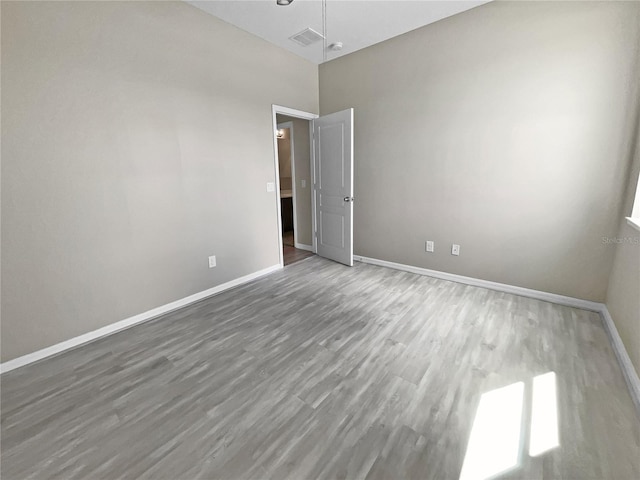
x,y
325,185
294,149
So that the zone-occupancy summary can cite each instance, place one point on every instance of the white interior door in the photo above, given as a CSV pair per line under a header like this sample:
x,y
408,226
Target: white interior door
x,y
333,186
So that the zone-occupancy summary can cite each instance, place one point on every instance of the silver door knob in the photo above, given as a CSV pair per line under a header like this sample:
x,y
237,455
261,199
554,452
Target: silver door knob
x,y
348,199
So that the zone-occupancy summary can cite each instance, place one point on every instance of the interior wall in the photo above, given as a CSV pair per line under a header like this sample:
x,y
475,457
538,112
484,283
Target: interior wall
x,y
137,140
284,159
503,129
623,295
302,160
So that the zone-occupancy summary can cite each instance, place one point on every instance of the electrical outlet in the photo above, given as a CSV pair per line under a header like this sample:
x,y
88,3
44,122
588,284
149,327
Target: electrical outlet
x,y
271,187
455,249
428,246
212,261
303,183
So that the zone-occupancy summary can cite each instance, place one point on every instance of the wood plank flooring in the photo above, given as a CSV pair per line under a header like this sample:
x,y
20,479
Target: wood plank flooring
x,y
293,255
319,371
290,253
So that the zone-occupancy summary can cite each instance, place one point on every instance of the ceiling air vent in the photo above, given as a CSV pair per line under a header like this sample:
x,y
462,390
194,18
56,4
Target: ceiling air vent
x,y
306,37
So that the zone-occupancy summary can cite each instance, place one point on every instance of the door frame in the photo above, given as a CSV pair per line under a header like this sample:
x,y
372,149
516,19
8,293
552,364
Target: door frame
x,y
289,125
290,112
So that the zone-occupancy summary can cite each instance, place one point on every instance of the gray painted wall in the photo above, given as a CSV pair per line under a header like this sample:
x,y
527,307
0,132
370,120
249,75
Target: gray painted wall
x,y
302,158
504,129
137,140
623,295
284,159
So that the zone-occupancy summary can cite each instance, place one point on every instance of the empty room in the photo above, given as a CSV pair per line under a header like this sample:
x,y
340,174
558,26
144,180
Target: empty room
x,y
320,239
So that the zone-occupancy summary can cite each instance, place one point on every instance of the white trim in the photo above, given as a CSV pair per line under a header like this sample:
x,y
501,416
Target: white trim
x,y
131,321
314,225
291,112
476,282
302,246
277,182
629,372
634,222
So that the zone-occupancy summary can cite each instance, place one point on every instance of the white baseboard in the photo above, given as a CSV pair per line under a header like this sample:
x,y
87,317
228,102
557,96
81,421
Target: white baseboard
x,y
131,321
302,246
630,375
476,282
628,370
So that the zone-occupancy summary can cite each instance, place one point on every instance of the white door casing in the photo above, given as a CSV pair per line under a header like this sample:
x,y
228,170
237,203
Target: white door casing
x,y
333,186
291,112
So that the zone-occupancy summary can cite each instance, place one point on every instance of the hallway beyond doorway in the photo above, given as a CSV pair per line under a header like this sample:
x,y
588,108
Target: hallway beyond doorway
x,y
292,254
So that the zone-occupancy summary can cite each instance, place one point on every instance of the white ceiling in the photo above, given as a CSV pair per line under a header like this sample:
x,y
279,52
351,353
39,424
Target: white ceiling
x,y
355,23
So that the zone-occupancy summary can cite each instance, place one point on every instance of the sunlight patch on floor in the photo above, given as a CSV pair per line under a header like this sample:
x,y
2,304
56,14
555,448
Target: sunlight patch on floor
x,y
494,442
496,436
544,415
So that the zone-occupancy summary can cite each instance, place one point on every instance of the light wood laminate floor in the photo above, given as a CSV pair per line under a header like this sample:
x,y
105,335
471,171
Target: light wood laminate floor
x,y
290,253
320,371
